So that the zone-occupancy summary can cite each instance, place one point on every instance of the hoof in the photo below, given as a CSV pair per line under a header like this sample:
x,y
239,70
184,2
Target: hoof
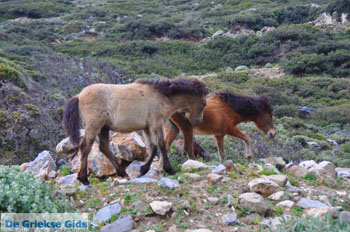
x,y
122,173
84,181
170,171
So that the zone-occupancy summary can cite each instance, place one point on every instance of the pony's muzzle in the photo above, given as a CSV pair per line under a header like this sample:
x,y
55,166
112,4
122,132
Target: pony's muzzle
x,y
271,133
196,121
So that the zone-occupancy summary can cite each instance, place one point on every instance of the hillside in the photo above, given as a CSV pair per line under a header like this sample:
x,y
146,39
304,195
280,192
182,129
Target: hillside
x,y
296,52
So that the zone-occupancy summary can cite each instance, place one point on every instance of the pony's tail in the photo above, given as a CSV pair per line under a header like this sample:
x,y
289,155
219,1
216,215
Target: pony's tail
x,y
72,120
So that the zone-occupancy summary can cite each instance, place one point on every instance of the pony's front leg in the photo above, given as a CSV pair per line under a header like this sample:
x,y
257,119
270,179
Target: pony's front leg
x,y
85,149
220,146
235,132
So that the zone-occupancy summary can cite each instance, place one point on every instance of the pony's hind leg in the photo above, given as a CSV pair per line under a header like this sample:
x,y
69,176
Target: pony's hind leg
x,y
220,146
85,149
104,148
152,148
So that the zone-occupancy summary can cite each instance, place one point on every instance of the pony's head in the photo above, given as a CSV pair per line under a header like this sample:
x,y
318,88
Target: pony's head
x,y
194,110
264,120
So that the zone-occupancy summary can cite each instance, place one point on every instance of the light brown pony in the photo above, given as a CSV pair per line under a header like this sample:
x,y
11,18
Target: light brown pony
x,y
144,105
221,115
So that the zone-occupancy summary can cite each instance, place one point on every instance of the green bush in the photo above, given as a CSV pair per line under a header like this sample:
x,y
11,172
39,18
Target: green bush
x,y
286,110
313,224
7,71
22,193
334,114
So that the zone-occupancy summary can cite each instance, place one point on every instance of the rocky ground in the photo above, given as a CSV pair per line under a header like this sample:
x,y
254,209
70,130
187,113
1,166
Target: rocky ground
x,y
200,197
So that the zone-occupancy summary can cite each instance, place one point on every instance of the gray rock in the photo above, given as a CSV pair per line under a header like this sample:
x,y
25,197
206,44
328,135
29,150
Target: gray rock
x,y
124,224
66,192
168,183
193,164
276,161
286,205
140,205
325,173
306,111
106,213
308,164
255,202
344,216
263,186
241,68
133,170
298,171
276,196
143,180
229,219
265,222
307,203
250,219
293,189
314,145
192,176
278,220
272,167
69,180
230,166
213,200
333,142
42,165
281,180
161,207
85,188
219,32
214,178
220,169
343,172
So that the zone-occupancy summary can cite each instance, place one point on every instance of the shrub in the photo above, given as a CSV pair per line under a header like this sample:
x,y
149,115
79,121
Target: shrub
x,y
8,73
286,110
313,224
334,114
22,193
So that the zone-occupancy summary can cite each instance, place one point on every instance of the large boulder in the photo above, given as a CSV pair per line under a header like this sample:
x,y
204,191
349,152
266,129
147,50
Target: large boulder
x,y
308,203
255,202
66,146
41,166
281,180
123,224
106,213
325,173
128,146
98,164
297,171
263,186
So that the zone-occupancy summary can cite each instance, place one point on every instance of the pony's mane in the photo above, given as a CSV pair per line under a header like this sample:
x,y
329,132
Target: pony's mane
x,y
171,87
246,105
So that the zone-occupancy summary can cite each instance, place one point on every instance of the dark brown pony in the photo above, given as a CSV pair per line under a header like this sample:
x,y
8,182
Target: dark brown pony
x,y
221,115
144,105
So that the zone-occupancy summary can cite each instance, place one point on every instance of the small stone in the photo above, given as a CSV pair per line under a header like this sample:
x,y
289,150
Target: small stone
x,y
286,205
276,161
124,224
161,207
344,216
307,203
143,180
343,172
106,213
317,212
213,200
133,170
276,196
168,183
230,166
263,186
250,219
265,222
214,178
172,228
293,189
192,176
187,204
281,180
220,169
52,174
85,188
229,219
255,202
278,220
308,164
140,206
193,164
69,180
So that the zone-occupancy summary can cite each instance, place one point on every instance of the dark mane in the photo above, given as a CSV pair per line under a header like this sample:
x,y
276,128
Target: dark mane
x,y
246,105
171,87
